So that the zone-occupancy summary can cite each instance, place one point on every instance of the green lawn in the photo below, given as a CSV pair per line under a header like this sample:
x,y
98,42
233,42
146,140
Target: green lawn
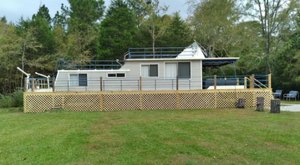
x,y
150,137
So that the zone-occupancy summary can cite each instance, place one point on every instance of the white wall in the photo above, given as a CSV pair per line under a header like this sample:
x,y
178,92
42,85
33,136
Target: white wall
x,y
132,71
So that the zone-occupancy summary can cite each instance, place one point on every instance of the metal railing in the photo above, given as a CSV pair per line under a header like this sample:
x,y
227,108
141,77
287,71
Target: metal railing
x,y
89,64
158,52
248,81
140,84
128,84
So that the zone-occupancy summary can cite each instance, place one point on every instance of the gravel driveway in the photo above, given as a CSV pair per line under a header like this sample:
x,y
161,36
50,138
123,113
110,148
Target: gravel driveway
x,y
290,107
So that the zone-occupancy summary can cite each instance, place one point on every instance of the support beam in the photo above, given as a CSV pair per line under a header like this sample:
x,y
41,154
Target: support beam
x,y
215,81
270,81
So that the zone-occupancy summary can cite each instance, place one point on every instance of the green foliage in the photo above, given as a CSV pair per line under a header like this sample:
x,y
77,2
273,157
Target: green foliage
x,y
274,17
118,31
264,43
177,33
41,23
3,19
213,22
85,13
82,27
10,55
287,62
14,99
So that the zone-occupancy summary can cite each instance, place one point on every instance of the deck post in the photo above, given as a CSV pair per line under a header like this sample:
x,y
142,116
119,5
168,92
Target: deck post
x,y
252,81
53,84
215,81
245,82
101,84
270,81
25,85
121,85
237,81
177,83
69,85
32,85
140,83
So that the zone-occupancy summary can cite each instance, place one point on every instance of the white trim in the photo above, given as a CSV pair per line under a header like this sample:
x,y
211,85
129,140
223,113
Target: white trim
x,y
183,59
92,71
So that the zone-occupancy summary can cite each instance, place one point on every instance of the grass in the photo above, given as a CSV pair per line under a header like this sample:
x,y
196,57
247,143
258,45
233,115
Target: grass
x,y
149,137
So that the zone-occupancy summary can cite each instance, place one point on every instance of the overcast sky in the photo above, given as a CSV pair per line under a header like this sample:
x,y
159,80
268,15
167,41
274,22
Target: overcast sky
x,y
13,10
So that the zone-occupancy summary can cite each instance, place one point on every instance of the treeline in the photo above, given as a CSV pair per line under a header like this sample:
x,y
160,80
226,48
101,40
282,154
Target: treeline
x,y
264,34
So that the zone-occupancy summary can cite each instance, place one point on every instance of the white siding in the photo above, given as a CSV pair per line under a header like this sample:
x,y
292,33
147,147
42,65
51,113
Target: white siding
x,y
132,70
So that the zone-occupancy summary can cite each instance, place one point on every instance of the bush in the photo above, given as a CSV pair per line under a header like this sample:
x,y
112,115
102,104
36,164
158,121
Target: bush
x,y
17,97
6,101
14,99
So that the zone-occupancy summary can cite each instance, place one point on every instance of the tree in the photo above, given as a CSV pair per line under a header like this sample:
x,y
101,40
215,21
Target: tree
x,y
15,50
287,60
9,55
151,18
212,22
60,33
82,27
246,45
3,19
272,16
41,23
29,45
178,33
118,31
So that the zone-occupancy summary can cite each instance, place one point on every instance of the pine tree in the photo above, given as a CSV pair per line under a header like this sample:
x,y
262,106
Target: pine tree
x,y
118,31
41,22
82,27
177,34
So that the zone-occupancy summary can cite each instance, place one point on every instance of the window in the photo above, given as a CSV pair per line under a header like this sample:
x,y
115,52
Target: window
x,y
149,70
74,80
184,70
82,79
78,79
180,69
171,70
116,75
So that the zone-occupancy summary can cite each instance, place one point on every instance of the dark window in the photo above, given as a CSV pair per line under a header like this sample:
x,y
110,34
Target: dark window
x,y
184,70
82,79
111,75
116,75
120,74
153,72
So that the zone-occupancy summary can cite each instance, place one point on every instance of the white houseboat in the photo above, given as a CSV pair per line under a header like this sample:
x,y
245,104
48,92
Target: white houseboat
x,y
142,69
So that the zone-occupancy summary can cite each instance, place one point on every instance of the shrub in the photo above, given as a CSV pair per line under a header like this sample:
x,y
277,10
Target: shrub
x,y
6,101
17,98
14,99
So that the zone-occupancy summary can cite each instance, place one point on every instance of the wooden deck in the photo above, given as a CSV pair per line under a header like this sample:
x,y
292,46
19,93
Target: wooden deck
x,y
143,100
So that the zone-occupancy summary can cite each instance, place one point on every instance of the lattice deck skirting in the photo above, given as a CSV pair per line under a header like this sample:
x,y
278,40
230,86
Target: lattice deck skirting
x,y
142,100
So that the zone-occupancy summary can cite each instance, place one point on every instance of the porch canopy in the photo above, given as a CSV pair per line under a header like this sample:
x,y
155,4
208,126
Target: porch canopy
x,y
215,62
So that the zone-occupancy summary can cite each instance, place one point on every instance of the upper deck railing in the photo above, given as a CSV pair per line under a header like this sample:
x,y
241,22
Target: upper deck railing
x,y
89,64
158,52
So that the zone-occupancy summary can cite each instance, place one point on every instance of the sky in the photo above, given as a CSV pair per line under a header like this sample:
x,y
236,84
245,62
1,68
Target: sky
x,y
13,10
